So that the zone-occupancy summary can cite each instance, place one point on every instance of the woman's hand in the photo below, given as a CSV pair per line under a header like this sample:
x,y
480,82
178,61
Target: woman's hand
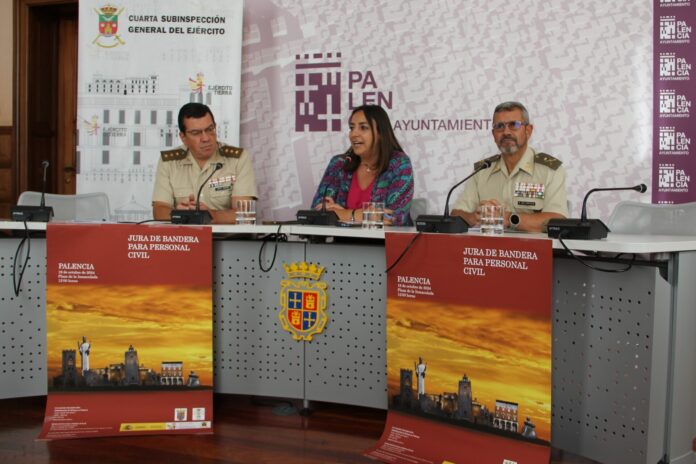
x,y
388,216
329,204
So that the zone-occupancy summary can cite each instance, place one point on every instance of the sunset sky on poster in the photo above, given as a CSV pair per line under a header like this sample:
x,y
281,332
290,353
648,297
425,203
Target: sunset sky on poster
x,y
505,354
163,323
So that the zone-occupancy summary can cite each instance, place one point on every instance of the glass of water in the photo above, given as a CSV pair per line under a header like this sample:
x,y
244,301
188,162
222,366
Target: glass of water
x,y
246,212
373,215
492,219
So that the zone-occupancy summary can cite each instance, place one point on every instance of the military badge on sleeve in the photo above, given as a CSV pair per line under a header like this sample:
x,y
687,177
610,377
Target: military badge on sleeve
x,y
303,301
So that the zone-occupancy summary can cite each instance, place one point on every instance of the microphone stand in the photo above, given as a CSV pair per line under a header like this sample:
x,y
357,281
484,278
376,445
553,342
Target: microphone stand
x,y
583,228
195,216
323,217
41,213
448,224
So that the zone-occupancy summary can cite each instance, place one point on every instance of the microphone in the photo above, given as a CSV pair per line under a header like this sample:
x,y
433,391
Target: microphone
x,y
448,224
638,188
195,216
583,228
41,213
323,217
44,163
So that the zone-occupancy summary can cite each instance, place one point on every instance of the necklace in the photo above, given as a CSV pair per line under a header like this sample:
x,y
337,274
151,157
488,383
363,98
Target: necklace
x,y
368,168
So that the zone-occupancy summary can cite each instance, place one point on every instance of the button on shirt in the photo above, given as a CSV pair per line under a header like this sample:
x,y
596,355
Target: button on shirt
x,y
518,190
176,180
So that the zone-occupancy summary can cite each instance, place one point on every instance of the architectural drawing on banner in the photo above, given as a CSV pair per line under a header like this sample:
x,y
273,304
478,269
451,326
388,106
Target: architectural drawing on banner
x,y
124,122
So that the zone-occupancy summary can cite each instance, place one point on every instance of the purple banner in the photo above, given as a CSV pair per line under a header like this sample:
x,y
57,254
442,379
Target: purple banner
x,y
674,53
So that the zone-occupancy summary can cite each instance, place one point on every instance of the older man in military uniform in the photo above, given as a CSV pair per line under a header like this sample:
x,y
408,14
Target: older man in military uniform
x,y
181,172
530,185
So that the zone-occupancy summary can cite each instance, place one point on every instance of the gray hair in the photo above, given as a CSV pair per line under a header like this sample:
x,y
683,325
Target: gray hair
x,y
513,105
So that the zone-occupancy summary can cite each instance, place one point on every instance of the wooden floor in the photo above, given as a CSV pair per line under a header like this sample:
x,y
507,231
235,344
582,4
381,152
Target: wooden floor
x,y
247,430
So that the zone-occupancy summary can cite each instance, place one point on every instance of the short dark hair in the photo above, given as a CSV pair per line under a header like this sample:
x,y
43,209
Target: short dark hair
x,y
513,105
379,122
192,110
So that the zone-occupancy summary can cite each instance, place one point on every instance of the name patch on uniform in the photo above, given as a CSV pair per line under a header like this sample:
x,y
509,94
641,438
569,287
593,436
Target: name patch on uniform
x,y
221,183
529,190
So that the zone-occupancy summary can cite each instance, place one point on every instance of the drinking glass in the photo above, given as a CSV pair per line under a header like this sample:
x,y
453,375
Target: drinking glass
x,y
492,219
373,215
246,212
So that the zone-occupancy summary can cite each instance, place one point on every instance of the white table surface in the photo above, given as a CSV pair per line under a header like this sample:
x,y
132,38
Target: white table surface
x,y
614,243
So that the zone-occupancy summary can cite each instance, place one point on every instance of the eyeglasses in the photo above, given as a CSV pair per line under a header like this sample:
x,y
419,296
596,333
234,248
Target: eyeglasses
x,y
210,130
512,125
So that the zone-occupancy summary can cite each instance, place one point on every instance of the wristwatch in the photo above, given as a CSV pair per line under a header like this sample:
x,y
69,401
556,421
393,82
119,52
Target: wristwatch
x,y
514,221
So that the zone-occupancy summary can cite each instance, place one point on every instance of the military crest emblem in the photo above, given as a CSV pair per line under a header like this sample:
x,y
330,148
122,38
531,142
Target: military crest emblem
x,y
108,27
303,300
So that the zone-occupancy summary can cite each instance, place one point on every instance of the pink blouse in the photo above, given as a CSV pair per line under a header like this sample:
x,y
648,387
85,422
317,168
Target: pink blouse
x,y
357,196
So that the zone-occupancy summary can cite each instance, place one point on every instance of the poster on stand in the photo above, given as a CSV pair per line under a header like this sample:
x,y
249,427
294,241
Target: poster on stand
x,y
139,62
129,330
468,350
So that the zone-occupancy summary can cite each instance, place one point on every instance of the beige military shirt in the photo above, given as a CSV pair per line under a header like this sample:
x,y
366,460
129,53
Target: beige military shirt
x,y
536,184
178,176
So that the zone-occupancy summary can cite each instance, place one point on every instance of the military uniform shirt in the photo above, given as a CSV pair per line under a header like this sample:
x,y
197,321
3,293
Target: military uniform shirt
x,y
532,186
180,176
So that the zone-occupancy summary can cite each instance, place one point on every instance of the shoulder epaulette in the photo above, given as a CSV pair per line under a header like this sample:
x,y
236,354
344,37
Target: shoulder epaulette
x,y
173,155
492,159
547,160
228,151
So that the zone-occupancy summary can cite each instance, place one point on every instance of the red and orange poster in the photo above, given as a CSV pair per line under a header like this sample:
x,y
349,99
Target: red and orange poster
x,y
129,330
468,350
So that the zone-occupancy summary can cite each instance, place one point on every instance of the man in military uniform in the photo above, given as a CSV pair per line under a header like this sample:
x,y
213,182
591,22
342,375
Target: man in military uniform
x,y
530,185
182,171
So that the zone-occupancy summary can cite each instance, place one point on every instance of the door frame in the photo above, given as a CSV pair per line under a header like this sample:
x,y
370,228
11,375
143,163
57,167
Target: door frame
x,y
22,10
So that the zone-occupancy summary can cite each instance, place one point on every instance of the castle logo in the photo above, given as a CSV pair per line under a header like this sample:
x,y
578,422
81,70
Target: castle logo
x,y
674,105
672,179
672,141
674,31
674,67
318,92
303,301
108,27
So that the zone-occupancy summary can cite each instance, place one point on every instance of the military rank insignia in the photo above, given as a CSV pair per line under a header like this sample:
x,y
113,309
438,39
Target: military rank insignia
x,y
303,300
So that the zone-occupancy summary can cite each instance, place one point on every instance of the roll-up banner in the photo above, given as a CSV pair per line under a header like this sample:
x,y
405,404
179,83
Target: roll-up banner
x,y
468,350
129,330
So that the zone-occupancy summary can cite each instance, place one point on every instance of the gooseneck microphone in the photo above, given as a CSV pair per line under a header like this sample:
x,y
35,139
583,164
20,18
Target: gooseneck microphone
x,y
323,217
41,213
641,188
448,224
44,163
485,164
195,216
583,228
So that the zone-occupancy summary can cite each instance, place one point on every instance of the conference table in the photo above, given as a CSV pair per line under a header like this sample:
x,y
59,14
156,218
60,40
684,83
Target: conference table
x,y
624,378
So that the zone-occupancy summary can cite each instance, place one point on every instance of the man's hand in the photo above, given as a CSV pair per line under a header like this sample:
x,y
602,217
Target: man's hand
x,y
189,203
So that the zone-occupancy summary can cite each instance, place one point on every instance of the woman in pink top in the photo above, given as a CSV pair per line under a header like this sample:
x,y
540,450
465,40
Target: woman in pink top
x,y
374,168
